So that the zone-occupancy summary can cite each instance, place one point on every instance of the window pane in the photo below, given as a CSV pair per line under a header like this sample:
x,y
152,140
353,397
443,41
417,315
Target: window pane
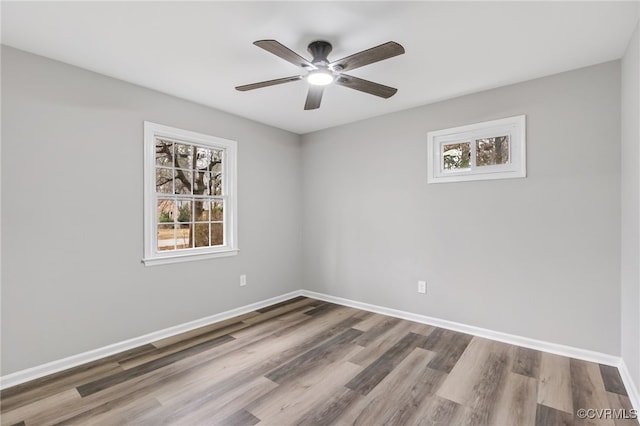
x,y
166,237
166,211
492,151
184,181
164,153
200,182
202,234
203,183
201,210
183,236
217,211
184,210
216,184
456,156
164,181
204,157
216,162
184,156
217,233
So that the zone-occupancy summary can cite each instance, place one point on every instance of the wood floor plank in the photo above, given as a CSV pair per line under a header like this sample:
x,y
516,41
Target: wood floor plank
x,y
201,331
100,384
377,347
45,386
288,404
285,303
247,350
323,309
378,370
622,410
426,383
33,413
258,328
135,389
377,330
241,418
208,406
588,391
449,347
52,386
437,339
436,411
259,355
422,329
554,383
329,412
516,404
326,352
301,305
176,347
124,410
486,390
372,321
258,358
393,402
547,416
526,362
166,376
473,371
612,380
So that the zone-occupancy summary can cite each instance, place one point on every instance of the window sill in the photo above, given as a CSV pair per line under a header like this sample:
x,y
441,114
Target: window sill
x,y
179,258
465,177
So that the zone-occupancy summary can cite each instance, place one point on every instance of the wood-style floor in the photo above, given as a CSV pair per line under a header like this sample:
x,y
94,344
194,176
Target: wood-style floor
x,y
307,362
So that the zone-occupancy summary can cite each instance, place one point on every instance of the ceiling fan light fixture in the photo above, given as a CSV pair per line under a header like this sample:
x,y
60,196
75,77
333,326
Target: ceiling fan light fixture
x,y
320,77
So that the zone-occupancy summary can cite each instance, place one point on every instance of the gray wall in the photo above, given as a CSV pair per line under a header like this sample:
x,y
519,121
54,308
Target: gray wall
x,y
537,257
631,208
72,214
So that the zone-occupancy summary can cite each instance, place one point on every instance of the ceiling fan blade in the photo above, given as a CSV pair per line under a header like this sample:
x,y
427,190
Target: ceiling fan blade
x,y
314,97
283,52
365,86
268,83
369,56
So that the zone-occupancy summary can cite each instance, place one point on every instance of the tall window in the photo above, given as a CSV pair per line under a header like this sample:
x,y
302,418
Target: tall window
x,y
190,202
488,150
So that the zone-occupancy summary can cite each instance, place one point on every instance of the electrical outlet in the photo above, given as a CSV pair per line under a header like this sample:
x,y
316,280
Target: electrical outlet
x,y
243,280
422,287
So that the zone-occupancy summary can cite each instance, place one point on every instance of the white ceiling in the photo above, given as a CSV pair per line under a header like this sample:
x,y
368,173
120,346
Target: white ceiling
x,y
201,50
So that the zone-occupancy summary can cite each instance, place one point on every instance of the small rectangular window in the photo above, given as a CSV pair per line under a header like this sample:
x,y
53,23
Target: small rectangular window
x,y
189,195
488,150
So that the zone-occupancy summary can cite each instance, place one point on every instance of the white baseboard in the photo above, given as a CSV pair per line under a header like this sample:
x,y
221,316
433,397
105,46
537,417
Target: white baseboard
x,y
512,339
22,376
629,384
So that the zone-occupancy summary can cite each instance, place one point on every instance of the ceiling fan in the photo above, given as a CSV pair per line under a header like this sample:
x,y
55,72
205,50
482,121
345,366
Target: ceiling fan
x,y
321,72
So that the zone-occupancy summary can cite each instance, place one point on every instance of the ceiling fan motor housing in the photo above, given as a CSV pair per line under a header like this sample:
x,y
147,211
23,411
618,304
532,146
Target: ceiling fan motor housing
x,y
320,50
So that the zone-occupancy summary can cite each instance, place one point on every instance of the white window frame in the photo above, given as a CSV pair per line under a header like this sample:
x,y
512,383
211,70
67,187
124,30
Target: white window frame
x,y
514,127
229,181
